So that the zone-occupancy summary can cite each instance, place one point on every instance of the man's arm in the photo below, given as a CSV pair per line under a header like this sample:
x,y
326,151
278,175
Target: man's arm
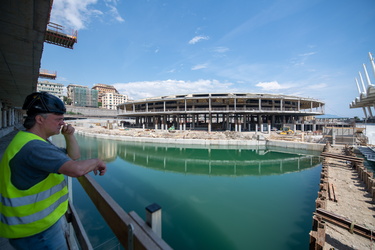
x,y
79,168
72,146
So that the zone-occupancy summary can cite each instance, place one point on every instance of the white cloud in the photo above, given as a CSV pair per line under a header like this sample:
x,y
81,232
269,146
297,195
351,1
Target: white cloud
x,y
270,86
221,49
196,39
111,4
199,66
307,54
147,89
317,86
77,14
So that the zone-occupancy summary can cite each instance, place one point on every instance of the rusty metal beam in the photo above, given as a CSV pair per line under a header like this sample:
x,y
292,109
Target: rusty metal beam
x,y
345,223
342,157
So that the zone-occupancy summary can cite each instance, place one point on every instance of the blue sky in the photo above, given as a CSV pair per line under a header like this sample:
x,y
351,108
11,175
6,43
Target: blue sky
x,y
149,48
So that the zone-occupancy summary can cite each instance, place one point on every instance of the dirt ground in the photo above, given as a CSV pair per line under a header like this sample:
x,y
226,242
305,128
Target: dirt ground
x,y
353,203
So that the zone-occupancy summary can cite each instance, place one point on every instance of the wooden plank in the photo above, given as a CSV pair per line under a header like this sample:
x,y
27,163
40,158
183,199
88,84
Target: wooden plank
x,y
330,192
79,230
117,219
333,192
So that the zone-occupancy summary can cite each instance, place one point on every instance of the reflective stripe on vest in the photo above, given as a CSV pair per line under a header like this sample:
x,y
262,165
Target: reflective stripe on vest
x,y
36,216
26,200
28,212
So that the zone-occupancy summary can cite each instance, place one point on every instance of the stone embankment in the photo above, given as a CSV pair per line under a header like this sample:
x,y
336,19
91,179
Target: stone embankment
x,y
345,208
108,129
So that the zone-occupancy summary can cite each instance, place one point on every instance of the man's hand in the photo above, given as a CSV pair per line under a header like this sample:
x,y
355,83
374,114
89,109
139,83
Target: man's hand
x,y
67,129
101,167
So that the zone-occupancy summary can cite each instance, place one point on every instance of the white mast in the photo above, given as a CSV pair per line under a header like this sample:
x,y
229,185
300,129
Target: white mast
x,y
367,77
359,89
372,63
363,83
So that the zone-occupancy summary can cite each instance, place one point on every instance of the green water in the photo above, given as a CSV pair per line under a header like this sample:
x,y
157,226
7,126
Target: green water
x,y
211,198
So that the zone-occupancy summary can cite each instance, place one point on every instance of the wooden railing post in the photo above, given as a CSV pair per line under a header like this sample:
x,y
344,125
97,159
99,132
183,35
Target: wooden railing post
x,y
153,218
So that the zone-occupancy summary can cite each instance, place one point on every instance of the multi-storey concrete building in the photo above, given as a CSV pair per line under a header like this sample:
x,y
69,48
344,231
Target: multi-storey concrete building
x,y
111,100
228,111
56,89
82,96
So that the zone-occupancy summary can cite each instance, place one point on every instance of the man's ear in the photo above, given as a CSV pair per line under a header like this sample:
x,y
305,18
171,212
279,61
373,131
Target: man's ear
x,y
39,119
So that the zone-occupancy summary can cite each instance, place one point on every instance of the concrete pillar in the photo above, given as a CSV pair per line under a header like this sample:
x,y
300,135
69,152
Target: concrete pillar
x,y
1,115
4,119
227,121
11,119
209,122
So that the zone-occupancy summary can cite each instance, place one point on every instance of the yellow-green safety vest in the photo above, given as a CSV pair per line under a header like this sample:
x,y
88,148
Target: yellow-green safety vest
x,y
28,212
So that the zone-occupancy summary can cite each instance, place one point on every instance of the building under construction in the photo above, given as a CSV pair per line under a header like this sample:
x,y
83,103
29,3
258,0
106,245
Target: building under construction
x,y
82,96
227,111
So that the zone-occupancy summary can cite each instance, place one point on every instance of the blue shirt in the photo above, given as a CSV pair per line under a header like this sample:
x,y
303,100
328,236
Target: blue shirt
x,y
34,162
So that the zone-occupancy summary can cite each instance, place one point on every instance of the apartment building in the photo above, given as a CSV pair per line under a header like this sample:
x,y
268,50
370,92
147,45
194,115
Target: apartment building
x,y
109,96
111,100
56,89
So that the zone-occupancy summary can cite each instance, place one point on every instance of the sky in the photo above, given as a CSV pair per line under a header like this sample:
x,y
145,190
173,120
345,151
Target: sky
x,y
151,48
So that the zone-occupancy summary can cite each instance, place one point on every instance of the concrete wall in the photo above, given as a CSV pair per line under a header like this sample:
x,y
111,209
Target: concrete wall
x,y
92,112
299,145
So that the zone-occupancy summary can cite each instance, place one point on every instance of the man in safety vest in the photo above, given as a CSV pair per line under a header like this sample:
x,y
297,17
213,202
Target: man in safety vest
x,y
33,191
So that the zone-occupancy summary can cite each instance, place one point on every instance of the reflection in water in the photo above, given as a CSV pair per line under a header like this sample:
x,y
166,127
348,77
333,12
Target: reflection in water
x,y
204,207
221,162
195,159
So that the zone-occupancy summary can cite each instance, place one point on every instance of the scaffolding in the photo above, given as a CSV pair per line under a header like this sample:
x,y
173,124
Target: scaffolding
x,y
43,73
58,35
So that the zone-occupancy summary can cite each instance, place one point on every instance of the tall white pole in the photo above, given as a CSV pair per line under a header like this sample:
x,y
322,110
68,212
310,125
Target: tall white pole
x,y
359,89
363,84
372,63
367,77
